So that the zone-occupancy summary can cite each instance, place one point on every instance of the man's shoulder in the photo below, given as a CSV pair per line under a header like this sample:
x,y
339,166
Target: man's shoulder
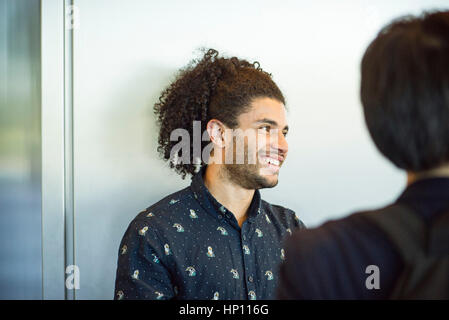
x,y
339,251
282,214
356,231
167,209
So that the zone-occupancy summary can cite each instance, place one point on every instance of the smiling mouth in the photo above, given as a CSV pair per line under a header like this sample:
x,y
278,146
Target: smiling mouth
x,y
270,163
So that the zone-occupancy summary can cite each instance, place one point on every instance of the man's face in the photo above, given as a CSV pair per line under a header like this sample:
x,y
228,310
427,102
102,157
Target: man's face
x,y
262,131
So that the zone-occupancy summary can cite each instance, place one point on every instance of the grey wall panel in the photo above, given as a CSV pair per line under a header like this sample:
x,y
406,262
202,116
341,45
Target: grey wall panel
x,y
20,150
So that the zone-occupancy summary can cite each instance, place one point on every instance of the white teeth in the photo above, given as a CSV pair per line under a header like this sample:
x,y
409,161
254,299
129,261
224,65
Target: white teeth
x,y
272,161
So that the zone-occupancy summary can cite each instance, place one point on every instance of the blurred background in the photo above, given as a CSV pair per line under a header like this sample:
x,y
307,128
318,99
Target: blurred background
x,y
78,80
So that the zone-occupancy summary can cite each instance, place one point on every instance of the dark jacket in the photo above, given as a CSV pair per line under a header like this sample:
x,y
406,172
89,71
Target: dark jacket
x,y
333,261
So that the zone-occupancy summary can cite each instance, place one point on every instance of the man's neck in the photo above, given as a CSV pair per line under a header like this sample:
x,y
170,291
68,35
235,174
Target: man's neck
x,y
442,172
231,195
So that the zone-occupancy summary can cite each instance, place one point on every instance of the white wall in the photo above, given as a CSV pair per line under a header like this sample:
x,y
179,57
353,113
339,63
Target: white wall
x,y
126,52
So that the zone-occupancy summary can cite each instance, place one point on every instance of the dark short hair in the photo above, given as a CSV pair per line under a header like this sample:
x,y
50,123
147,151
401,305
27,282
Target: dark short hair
x,y
212,87
405,91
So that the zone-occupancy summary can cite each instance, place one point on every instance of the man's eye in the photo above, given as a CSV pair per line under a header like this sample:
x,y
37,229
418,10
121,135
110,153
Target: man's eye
x,y
285,133
265,128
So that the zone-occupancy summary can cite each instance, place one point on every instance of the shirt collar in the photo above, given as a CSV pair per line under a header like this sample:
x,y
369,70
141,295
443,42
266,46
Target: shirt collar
x,y
210,204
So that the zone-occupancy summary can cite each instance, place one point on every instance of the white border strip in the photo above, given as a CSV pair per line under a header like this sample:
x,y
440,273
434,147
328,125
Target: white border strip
x,y
52,117
68,143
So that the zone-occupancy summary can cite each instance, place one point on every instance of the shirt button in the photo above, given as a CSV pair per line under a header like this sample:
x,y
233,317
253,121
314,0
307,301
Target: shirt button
x,y
220,216
244,237
250,279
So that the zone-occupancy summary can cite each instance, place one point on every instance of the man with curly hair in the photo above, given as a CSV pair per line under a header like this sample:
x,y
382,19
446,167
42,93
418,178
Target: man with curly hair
x,y
216,239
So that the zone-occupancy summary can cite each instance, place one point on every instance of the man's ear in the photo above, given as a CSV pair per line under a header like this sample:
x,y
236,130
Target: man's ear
x,y
216,130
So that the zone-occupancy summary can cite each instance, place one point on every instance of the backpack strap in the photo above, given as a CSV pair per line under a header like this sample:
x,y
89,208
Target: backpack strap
x,y
404,228
424,249
438,242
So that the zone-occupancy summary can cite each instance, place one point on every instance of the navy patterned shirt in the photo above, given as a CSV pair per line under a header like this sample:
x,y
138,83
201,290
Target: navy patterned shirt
x,y
189,246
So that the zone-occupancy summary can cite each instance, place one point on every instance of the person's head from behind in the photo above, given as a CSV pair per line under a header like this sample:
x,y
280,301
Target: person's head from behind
x,y
240,109
405,91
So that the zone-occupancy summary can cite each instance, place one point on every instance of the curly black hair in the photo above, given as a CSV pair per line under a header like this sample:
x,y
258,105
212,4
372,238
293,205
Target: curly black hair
x,y
211,88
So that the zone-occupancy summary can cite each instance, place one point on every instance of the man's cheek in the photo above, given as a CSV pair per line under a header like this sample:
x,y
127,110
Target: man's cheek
x,y
262,143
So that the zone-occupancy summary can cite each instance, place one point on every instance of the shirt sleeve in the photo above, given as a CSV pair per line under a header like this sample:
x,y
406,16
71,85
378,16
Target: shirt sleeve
x,y
141,270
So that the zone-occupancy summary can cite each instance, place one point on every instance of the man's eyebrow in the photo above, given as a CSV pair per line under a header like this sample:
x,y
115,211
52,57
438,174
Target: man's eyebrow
x,y
269,121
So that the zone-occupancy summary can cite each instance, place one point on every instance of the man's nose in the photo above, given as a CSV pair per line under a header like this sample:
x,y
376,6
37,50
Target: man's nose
x,y
280,143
